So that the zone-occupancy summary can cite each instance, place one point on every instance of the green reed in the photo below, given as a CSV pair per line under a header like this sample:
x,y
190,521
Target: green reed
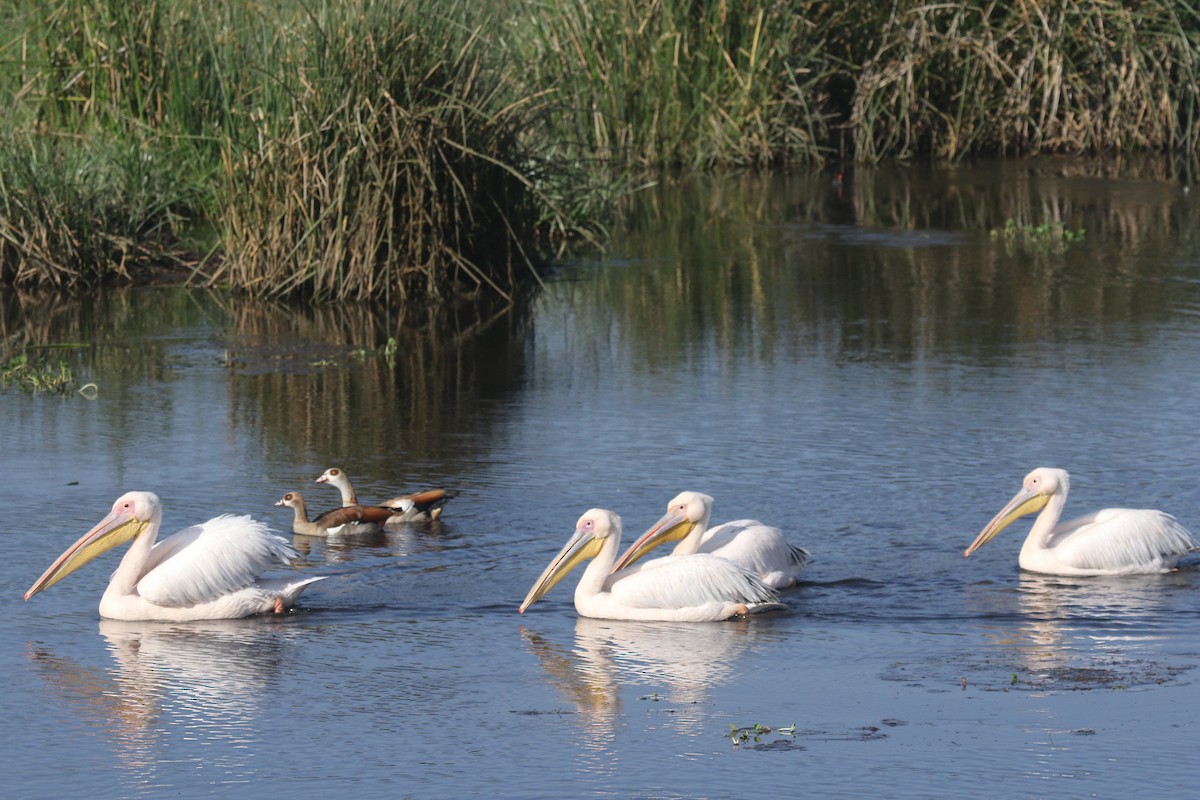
x,y
375,148
433,149
393,162
949,80
678,82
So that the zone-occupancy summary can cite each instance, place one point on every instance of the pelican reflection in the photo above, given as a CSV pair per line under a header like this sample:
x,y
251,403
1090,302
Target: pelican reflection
x,y
201,681
1059,626
612,661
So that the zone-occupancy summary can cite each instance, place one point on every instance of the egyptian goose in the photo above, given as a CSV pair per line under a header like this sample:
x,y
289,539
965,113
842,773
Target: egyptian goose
x,y
406,508
344,521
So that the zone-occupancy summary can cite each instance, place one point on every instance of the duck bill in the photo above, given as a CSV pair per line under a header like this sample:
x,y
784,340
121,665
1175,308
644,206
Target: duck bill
x,y
115,529
581,546
671,528
1024,503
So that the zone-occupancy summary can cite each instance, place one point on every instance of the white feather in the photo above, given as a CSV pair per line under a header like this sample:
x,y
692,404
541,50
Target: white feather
x,y
204,562
759,548
1113,541
204,572
1121,541
750,544
700,588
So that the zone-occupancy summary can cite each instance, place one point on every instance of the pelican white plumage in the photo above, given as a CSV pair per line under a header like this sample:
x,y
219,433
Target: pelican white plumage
x,y
1112,541
696,588
206,571
759,548
415,507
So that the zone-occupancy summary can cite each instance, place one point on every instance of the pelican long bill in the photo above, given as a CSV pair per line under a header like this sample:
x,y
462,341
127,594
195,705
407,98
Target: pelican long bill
x,y
115,529
579,548
673,527
1025,502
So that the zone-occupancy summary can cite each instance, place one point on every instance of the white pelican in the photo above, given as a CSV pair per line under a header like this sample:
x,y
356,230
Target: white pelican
x,y
346,521
747,542
699,588
1113,541
206,571
408,507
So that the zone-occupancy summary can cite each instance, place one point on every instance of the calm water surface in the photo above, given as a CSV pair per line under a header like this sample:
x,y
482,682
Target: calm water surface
x,y
864,366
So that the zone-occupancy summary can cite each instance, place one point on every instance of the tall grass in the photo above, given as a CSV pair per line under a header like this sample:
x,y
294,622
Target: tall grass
x,y
373,148
415,150
687,83
951,79
94,182
395,165
697,83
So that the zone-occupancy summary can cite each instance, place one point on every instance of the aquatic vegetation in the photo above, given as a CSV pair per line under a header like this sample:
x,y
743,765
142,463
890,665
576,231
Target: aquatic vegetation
x,y
756,732
37,375
947,80
1046,236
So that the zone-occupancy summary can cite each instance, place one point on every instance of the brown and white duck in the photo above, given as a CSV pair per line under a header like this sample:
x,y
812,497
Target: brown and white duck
x,y
345,521
417,506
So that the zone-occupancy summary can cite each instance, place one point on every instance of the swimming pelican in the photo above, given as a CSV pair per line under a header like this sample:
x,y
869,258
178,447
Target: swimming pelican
x,y
697,588
409,507
747,542
346,521
1113,541
206,571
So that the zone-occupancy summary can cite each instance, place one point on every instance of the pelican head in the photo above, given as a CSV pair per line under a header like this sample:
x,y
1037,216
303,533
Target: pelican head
x,y
131,514
1039,486
684,513
591,532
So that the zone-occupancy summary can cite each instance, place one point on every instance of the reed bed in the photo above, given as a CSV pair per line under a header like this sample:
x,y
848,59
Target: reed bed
x,y
432,150
949,80
694,84
395,168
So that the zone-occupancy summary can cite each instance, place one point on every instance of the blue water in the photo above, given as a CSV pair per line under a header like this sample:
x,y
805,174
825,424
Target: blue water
x,y
868,369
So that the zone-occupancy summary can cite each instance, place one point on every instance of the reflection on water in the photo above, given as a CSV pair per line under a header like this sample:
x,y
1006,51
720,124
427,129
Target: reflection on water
x,y
1062,632
378,389
775,266
392,393
395,541
200,682
677,663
